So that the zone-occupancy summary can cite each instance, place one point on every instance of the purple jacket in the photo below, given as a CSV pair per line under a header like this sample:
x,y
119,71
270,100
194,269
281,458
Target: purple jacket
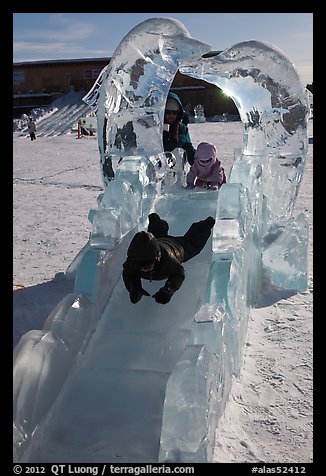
x,y
212,173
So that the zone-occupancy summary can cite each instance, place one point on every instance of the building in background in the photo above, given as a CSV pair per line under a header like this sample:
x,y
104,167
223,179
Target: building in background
x,y
38,83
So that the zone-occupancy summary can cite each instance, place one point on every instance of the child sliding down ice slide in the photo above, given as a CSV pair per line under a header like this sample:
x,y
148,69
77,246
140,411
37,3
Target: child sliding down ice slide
x,y
155,255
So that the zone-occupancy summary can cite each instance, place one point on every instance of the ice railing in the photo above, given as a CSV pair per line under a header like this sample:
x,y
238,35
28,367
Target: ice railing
x,y
255,229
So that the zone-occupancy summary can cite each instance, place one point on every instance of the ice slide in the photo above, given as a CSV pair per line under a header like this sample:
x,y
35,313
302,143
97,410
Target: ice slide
x,y
111,406
108,381
61,119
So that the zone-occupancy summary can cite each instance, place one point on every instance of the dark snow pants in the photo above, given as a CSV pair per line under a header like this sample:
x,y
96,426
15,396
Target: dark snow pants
x,y
193,241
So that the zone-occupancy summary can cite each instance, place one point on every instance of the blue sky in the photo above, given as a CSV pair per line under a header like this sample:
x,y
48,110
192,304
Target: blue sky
x,y
46,36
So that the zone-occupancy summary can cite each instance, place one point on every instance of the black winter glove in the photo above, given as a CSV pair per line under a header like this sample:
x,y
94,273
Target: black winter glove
x,y
164,295
137,294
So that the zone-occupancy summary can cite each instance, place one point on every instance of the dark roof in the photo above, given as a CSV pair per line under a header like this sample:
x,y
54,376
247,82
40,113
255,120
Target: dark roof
x,y
184,88
28,95
80,60
211,53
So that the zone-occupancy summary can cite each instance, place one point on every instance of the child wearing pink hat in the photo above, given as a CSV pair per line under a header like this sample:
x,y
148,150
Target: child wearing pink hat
x,y
206,170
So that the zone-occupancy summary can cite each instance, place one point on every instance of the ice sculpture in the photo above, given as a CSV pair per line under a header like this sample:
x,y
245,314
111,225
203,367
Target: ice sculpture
x,y
199,113
109,381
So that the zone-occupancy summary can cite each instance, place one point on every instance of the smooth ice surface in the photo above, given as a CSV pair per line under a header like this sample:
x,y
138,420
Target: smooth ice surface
x,y
285,255
110,381
189,416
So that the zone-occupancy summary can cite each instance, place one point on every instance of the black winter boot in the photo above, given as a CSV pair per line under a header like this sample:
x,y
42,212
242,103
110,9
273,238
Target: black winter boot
x,y
210,221
158,227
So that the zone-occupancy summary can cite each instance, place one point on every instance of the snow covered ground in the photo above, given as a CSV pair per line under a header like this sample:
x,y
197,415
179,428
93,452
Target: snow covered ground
x,y
56,181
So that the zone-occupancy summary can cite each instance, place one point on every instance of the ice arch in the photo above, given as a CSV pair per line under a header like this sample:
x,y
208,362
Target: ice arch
x,y
130,94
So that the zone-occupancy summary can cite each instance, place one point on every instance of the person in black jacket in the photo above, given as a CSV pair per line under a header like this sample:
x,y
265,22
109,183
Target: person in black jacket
x,y
31,128
155,255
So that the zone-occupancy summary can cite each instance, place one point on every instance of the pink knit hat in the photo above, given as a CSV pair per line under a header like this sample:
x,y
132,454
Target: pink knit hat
x,y
205,151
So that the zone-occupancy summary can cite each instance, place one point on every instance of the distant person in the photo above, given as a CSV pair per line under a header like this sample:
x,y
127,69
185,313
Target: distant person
x,y
155,255
82,131
206,170
125,137
175,132
187,114
31,128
